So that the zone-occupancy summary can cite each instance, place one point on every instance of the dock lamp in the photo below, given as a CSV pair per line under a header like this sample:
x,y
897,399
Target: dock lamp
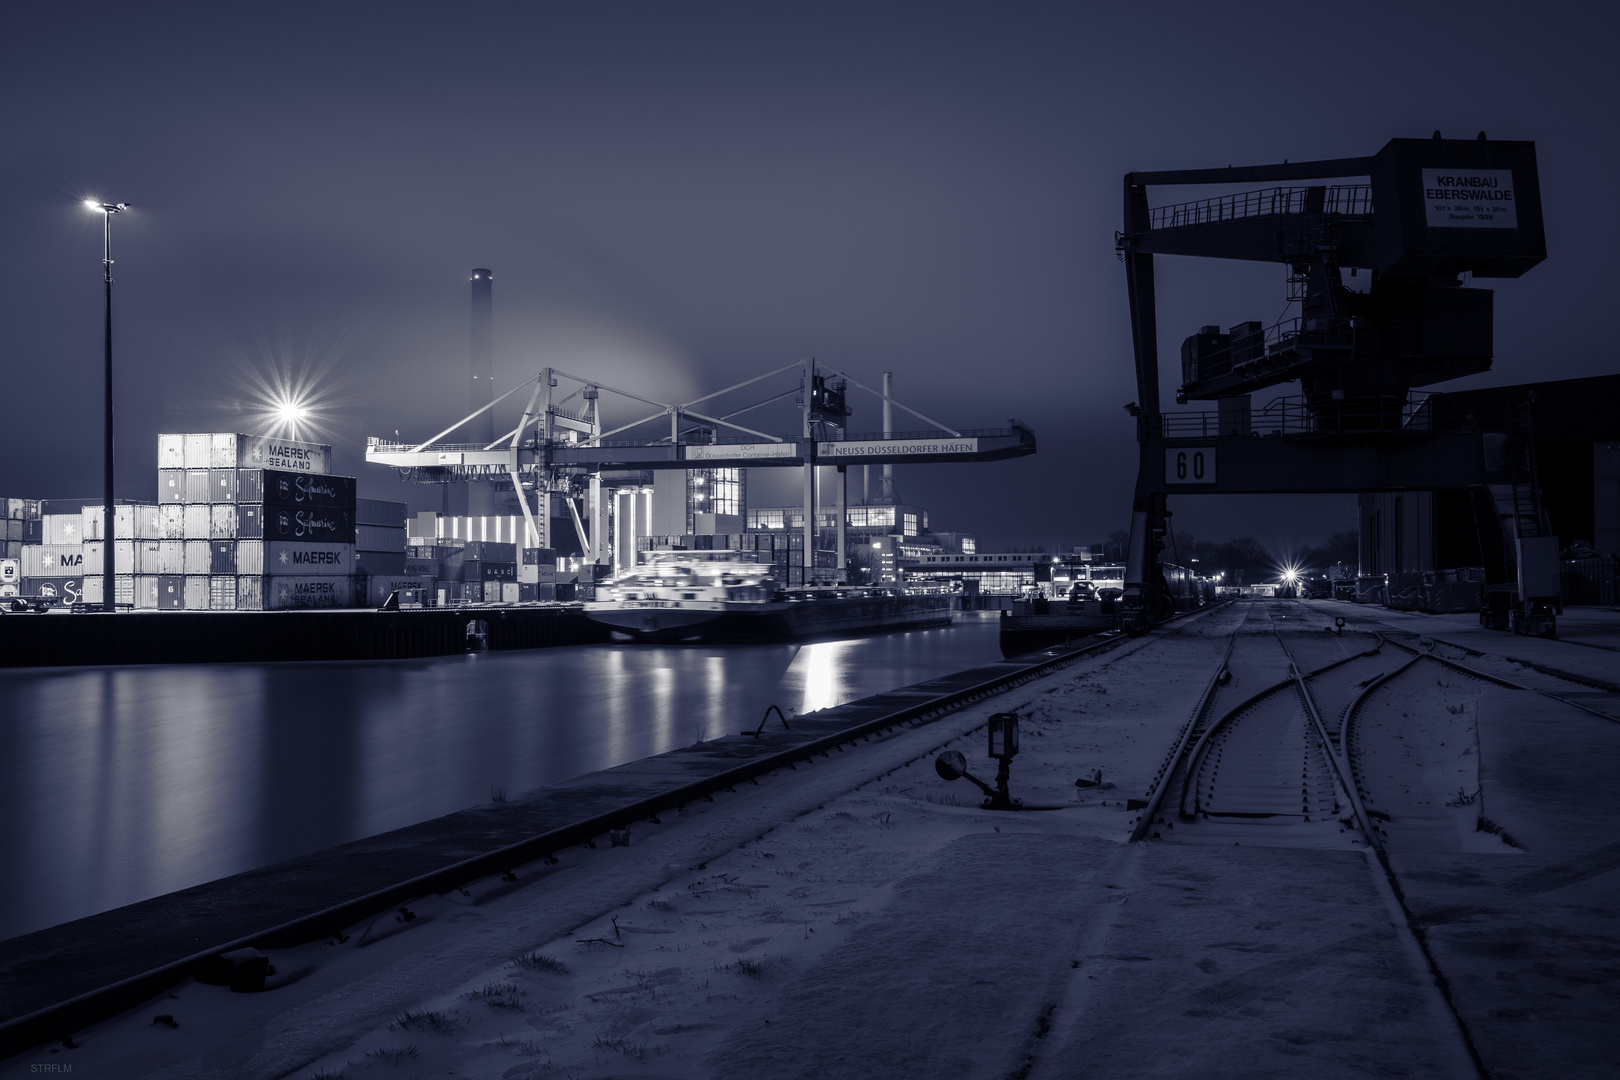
x,y
108,526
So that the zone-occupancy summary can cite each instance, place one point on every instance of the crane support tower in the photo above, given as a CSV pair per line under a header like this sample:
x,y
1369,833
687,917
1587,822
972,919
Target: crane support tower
x,y
560,449
1417,223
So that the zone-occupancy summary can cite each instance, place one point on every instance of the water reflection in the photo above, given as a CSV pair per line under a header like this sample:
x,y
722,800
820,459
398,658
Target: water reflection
x,y
121,783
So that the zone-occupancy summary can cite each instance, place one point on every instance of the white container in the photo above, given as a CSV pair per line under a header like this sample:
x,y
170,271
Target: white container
x,y
148,556
53,560
263,452
172,522
199,451
198,557
197,592
123,557
250,557
132,521
174,557
171,486
93,593
222,454
62,528
511,592
249,592
199,522
222,592
171,451
93,550
222,522
146,592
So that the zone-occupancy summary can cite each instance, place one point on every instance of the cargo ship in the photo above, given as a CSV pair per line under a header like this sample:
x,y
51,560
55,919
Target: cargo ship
x,y
1035,622
720,596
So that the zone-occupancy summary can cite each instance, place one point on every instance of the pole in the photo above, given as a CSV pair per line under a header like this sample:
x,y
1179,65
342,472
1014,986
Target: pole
x,y
809,559
109,531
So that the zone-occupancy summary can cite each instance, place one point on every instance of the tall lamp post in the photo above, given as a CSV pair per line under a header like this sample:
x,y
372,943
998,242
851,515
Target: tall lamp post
x,y
109,530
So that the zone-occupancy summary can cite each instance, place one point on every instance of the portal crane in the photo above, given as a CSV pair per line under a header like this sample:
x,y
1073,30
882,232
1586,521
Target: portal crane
x,y
1422,218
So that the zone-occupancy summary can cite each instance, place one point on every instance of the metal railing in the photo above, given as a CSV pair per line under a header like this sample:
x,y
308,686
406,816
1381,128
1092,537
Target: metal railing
x,y
1348,200
1297,415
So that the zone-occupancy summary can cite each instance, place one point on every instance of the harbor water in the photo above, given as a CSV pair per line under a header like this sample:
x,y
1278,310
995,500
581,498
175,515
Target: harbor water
x,y
122,783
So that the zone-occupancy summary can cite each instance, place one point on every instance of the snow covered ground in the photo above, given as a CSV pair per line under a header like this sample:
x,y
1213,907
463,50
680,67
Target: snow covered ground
x,y
859,916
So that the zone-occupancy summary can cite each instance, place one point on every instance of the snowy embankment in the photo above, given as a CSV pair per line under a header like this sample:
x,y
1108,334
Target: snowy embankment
x,y
860,916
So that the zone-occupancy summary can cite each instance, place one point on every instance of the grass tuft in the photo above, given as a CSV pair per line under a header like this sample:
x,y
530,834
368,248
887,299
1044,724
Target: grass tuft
x,y
392,1054
498,995
634,1050
425,1020
538,961
661,905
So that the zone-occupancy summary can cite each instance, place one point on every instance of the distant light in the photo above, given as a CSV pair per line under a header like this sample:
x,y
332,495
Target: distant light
x,y
290,412
92,204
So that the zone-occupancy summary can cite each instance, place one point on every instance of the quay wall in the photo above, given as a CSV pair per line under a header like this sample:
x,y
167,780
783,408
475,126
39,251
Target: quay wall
x,y
212,637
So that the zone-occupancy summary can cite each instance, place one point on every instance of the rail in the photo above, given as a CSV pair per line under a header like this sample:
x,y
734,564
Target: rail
x,y
1347,200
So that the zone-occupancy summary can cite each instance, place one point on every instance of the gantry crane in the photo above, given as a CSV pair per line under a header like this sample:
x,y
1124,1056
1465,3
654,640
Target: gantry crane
x,y
559,449
1422,218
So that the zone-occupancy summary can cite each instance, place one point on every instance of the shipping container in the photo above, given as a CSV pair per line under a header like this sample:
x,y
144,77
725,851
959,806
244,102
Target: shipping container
x,y
262,452
477,570
133,521
199,556
92,589
378,588
123,556
53,560
199,452
222,454
313,524
33,531
250,556
13,530
171,590
197,592
380,538
279,487
414,567
492,591
491,551
284,557
222,557
199,522
222,522
172,522
62,589
222,593
281,593
222,485
144,592
171,487
148,555
171,451
124,590
249,522
381,562
511,592
198,489
62,528
249,592
174,556
11,549
379,512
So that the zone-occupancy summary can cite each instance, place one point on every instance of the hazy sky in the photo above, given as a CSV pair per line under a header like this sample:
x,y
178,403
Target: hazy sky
x,y
676,196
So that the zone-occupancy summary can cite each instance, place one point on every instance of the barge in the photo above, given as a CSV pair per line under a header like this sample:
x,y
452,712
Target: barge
x,y
719,596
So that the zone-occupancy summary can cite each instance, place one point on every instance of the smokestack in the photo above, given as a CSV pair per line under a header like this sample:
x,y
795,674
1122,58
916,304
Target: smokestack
x,y
482,430
886,492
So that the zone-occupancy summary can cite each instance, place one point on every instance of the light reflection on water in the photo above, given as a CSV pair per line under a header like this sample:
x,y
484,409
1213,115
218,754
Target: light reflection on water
x,y
117,784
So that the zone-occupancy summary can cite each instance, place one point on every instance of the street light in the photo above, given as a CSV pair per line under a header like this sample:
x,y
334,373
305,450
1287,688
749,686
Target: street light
x,y
108,526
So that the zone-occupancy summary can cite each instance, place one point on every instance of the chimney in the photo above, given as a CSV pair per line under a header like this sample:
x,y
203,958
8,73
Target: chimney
x,y
482,430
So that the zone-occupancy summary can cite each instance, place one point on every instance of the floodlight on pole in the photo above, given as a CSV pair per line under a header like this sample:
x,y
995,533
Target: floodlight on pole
x,y
108,525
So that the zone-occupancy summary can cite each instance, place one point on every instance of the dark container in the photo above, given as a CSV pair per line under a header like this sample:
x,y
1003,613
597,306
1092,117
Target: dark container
x,y
380,563
172,587
197,488
274,487
222,485
421,566
491,551
222,556
171,485
379,512
249,521
314,524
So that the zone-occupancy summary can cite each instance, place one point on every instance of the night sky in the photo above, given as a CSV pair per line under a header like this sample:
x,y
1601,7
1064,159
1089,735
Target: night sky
x,y
677,196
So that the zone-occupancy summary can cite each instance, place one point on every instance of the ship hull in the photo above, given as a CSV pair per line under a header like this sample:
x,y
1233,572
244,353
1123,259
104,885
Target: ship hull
x,y
777,620
1061,623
